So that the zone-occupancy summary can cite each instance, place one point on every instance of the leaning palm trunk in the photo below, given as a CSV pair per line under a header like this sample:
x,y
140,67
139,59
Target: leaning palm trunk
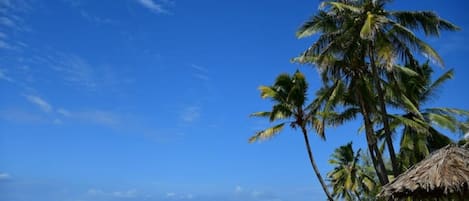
x,y
375,154
315,167
384,113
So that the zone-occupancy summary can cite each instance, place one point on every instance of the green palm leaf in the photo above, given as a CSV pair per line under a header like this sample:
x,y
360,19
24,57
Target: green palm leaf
x,y
267,133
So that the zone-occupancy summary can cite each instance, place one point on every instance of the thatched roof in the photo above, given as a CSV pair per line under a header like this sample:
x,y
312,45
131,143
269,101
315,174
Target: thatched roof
x,y
444,173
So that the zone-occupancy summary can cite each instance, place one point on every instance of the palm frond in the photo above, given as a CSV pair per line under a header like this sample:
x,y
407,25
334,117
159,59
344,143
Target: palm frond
x,y
415,124
280,111
443,78
427,21
321,22
409,37
410,106
345,7
267,133
267,92
260,114
406,70
444,121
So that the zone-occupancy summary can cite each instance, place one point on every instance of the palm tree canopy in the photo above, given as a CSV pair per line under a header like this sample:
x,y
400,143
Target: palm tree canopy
x,y
288,94
339,21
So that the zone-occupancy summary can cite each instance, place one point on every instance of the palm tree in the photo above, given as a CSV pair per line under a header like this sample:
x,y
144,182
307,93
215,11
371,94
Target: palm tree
x,y
377,36
289,96
347,70
420,135
349,179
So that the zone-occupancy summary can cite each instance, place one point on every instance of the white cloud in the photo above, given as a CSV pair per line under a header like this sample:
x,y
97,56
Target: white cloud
x,y
57,121
255,195
200,72
5,45
190,114
11,20
3,75
199,68
41,103
132,193
125,194
75,70
64,112
170,194
96,19
152,5
201,76
95,192
98,117
238,189
179,196
4,176
7,22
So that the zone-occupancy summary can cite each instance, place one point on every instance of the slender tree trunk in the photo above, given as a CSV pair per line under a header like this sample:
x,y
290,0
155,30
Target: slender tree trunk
x,y
384,113
315,167
375,154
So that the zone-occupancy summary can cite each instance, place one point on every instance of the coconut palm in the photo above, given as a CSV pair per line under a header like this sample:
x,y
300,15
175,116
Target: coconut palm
x,y
375,37
347,70
289,94
420,135
348,178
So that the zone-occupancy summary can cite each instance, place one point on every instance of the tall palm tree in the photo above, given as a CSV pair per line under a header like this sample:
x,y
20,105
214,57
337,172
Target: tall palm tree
x,y
349,179
380,36
344,68
420,135
289,94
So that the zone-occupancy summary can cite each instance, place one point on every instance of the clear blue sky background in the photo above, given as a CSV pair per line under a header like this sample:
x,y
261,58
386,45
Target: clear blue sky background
x,y
149,99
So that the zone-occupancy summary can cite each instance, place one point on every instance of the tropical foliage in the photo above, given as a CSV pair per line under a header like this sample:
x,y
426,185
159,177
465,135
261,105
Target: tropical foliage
x,y
289,95
421,126
368,61
358,42
350,179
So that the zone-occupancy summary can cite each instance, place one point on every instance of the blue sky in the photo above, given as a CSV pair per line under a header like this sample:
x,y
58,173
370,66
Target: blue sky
x,y
149,99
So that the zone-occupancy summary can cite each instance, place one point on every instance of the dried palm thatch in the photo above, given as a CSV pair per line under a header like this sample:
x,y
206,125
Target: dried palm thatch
x,y
442,174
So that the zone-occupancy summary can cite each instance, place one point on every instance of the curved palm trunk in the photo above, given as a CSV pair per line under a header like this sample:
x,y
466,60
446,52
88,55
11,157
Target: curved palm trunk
x,y
384,113
315,167
375,154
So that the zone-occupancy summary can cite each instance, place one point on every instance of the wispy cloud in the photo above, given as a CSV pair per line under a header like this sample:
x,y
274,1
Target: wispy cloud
x,y
153,6
179,196
96,19
4,176
5,45
103,118
64,112
238,189
97,117
199,68
248,194
3,75
132,193
38,101
190,114
75,70
78,5
11,20
200,72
